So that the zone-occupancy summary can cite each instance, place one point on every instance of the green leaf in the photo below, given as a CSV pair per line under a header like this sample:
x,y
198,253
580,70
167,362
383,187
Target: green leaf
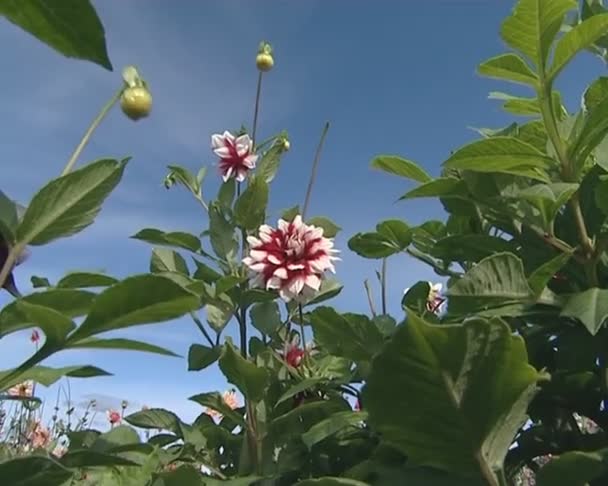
x,y
498,154
184,177
166,260
496,280
542,275
221,234
245,375
70,302
175,238
533,25
595,93
469,384
240,481
55,325
185,475
121,343
416,297
329,289
250,207
469,248
141,299
34,470
589,307
305,384
205,273
156,418
76,280
330,229
400,167
71,27
580,37
219,314
509,67
121,435
265,317
268,166
593,131
40,282
46,376
328,427
86,458
351,336
441,187
573,468
331,481
199,356
371,245
215,401
226,193
397,232
69,204
8,217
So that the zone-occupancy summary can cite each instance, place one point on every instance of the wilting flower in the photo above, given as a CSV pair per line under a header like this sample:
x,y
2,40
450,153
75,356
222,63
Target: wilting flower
x,y
35,336
291,259
434,300
235,153
230,399
39,436
113,417
22,390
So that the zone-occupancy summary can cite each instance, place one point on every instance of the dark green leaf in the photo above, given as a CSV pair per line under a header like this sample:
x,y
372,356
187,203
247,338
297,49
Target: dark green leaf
x,y
395,231
40,282
156,418
175,238
166,260
205,273
46,376
199,356
216,402
329,289
184,177
77,280
250,207
86,458
305,384
371,245
541,276
221,234
245,375
442,187
331,481
34,471
400,167
226,193
468,248
589,307
71,27
265,317
268,166
330,229
120,343
573,468
331,425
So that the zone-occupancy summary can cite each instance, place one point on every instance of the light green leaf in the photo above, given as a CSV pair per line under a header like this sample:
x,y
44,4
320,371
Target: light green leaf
x,y
517,105
120,343
592,133
75,280
69,204
580,37
509,67
330,229
55,325
573,468
179,239
221,234
265,317
400,167
71,27
441,187
141,299
328,427
8,217
200,357
219,314
166,260
533,25
469,384
245,375
595,93
330,287
250,208
184,177
268,166
589,307
226,193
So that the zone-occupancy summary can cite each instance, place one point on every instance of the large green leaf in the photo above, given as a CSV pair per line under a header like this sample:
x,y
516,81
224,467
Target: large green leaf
x,y
178,239
469,384
268,166
441,187
589,307
265,317
250,379
215,401
351,336
400,167
47,376
573,468
371,245
70,302
34,471
156,418
533,25
580,37
136,300
221,234
330,229
331,425
166,260
509,67
68,204
71,27
121,343
250,207
199,356
79,280
497,154
467,248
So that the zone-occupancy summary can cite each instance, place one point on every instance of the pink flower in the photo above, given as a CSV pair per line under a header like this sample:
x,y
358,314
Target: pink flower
x,y
22,390
230,399
357,406
35,336
291,259
113,417
59,450
294,355
39,436
236,155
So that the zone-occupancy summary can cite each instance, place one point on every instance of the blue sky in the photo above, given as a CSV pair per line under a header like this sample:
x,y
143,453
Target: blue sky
x,y
391,77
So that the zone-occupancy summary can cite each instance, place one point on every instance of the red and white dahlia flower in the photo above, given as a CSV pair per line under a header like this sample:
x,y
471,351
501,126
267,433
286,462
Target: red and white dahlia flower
x,y
291,259
235,153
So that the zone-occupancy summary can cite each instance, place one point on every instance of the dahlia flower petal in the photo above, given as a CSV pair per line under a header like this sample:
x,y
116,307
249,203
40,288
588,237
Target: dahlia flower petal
x,y
280,273
313,281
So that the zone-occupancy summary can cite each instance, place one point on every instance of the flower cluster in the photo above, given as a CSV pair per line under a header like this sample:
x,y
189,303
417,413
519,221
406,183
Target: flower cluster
x,y
291,258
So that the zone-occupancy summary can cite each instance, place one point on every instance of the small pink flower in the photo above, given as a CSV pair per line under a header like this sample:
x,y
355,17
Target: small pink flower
x,y
22,390
235,153
35,336
291,259
39,436
59,451
230,399
113,417
294,355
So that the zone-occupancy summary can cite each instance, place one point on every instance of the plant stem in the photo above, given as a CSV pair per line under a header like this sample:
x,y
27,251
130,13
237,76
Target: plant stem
x,y
256,109
199,324
383,286
370,299
301,316
85,139
313,172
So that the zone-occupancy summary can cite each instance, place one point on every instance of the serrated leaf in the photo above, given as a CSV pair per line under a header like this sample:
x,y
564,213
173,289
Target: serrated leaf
x,y
67,205
251,380
509,67
400,167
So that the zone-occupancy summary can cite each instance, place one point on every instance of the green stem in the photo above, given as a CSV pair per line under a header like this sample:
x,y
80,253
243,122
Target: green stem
x,y
301,316
256,109
200,326
370,299
85,139
313,172
383,285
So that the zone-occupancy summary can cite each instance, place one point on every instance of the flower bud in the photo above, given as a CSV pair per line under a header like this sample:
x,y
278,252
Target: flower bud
x,y
136,100
264,60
